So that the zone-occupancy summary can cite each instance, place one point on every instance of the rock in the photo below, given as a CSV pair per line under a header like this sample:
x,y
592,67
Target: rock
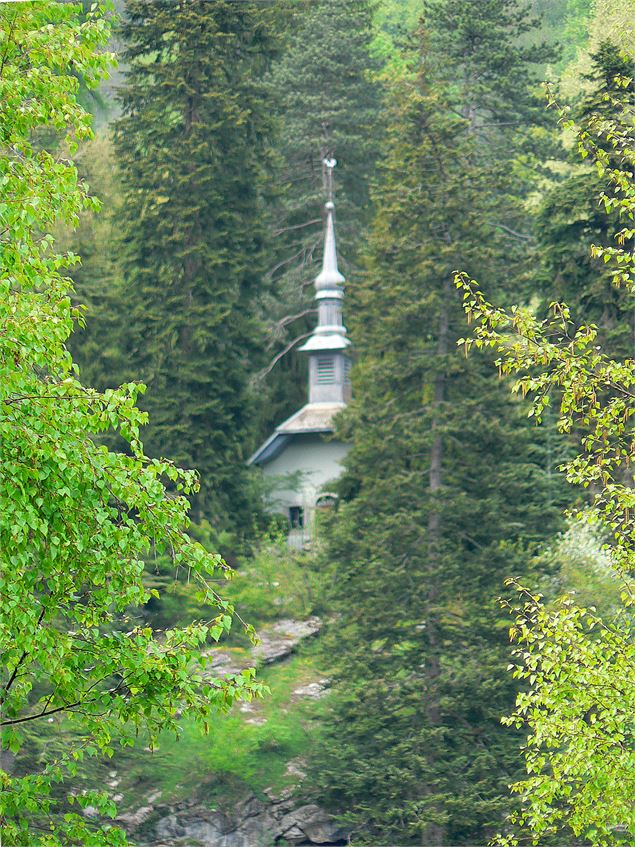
x,y
283,637
225,662
276,643
249,826
199,830
249,808
295,767
256,721
90,812
315,690
134,819
251,823
315,825
294,835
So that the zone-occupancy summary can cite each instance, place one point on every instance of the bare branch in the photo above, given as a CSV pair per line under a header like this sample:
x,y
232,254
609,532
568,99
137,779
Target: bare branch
x,y
263,373
289,319
277,232
521,235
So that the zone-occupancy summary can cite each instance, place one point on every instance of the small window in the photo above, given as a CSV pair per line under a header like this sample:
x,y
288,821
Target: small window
x,y
347,371
326,501
325,370
296,517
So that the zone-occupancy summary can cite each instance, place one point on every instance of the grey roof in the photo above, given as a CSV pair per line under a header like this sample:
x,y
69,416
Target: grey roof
x,y
314,417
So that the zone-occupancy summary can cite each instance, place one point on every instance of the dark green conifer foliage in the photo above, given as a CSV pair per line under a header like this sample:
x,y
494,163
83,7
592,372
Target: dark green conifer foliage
x,y
323,86
192,145
97,345
573,216
448,485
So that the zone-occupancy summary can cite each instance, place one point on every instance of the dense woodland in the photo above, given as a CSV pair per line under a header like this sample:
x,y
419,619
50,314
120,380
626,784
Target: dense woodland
x,y
492,139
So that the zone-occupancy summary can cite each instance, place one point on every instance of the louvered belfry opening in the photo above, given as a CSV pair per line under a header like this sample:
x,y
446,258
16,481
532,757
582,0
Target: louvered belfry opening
x,y
325,370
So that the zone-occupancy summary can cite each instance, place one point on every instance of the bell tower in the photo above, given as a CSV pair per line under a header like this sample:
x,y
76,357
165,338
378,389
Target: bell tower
x,y
329,363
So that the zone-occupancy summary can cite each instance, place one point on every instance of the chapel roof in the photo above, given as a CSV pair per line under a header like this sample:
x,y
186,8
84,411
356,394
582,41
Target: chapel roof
x,y
314,417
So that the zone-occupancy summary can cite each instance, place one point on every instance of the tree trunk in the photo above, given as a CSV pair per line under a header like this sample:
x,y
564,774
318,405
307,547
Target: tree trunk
x,y
434,833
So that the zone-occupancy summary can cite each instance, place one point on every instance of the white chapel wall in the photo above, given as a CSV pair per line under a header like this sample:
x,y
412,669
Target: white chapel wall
x,y
320,463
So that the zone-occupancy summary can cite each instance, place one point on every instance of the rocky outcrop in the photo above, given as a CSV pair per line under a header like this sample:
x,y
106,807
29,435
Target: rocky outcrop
x,y
276,642
250,823
310,825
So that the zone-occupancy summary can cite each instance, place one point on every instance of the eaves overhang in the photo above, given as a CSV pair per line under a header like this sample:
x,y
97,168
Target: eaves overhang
x,y
310,419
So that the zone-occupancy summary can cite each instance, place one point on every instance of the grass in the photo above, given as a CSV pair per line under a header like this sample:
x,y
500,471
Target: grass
x,y
244,751
236,755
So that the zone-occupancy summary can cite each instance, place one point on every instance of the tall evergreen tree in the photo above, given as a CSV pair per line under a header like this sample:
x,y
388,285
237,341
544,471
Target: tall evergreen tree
x,y
97,344
447,485
192,147
573,215
324,88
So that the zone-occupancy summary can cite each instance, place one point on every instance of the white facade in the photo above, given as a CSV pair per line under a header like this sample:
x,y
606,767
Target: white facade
x,y
313,463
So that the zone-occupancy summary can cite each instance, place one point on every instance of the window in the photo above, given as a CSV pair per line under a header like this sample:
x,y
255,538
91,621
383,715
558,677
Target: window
x,y
296,517
326,501
347,371
325,370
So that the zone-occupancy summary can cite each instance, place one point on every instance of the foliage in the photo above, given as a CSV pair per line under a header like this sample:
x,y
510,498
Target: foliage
x,y
566,22
579,667
273,581
192,148
237,751
76,520
579,712
429,522
394,21
96,343
245,751
578,563
573,213
607,20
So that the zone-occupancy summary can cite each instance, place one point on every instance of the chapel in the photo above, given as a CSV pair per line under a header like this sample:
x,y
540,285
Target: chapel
x,y
302,449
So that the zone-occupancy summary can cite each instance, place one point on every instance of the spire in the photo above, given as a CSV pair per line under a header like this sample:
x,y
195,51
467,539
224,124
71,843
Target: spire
x,y
330,276
328,365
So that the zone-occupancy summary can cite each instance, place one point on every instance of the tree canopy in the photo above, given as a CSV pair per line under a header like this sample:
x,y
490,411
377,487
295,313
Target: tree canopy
x,y
578,665
76,519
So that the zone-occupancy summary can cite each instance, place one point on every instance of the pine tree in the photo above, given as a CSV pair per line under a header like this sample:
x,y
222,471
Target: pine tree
x,y
447,486
97,342
192,147
573,215
324,89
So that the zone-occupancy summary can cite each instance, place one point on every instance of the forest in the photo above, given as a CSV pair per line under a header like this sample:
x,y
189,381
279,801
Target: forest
x,y
317,416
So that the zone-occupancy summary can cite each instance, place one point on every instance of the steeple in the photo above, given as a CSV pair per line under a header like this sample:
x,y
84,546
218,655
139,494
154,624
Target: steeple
x,y
328,363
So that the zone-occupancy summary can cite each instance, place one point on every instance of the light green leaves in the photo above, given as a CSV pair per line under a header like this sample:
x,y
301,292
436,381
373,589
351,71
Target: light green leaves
x,y
76,520
579,667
